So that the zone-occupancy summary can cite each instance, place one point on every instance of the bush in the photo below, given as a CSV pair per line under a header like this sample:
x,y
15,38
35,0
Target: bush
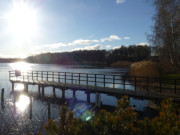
x,y
145,68
122,121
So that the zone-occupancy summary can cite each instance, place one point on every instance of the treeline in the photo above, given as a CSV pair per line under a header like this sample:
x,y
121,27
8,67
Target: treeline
x,y
9,60
130,53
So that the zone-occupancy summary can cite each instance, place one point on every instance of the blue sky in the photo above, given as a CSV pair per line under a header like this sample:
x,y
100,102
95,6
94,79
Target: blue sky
x,y
36,26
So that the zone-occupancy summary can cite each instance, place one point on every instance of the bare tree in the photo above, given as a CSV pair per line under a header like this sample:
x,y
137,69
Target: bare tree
x,y
166,31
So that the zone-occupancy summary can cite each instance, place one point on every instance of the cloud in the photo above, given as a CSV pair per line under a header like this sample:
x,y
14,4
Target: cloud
x,y
120,1
56,46
110,38
126,38
143,44
116,47
108,46
80,42
47,46
95,41
94,47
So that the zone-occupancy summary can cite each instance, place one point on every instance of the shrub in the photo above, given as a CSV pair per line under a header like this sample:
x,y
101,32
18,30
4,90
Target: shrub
x,y
145,68
122,121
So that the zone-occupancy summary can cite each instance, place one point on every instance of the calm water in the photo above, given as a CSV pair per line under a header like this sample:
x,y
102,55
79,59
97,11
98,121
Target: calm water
x,y
32,110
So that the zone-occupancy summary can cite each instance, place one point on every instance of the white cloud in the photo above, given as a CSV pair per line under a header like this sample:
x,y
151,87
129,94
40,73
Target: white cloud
x,y
47,46
80,42
126,38
55,45
95,41
120,1
94,47
143,44
110,38
116,47
108,46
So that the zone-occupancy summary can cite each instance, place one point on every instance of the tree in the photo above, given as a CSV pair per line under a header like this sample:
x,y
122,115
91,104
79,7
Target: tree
x,y
166,31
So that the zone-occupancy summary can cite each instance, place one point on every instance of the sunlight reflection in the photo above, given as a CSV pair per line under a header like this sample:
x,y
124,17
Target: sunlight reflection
x,y
19,87
22,103
21,66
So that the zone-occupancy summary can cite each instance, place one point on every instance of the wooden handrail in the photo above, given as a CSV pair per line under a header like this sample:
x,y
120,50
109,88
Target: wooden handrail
x,y
100,80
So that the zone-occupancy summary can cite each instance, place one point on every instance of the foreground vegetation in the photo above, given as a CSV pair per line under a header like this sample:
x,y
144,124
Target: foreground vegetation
x,y
124,121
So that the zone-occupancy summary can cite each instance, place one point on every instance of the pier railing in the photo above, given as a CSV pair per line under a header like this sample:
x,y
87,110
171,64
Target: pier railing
x,y
113,81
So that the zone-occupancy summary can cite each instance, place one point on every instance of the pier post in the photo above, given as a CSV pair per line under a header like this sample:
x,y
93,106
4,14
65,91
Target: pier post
x,y
12,86
2,98
30,108
88,97
54,92
26,87
63,93
42,90
98,99
14,101
39,90
74,93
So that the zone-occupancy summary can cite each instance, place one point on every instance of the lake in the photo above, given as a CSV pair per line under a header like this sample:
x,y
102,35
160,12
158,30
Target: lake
x,y
28,111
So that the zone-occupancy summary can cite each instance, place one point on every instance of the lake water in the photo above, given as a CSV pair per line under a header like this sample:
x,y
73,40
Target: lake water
x,y
32,111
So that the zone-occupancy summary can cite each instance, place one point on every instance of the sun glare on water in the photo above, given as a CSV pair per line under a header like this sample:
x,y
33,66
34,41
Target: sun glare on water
x,y
23,103
21,66
22,20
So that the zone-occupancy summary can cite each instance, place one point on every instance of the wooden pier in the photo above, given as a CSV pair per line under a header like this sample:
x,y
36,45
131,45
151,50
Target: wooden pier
x,y
115,84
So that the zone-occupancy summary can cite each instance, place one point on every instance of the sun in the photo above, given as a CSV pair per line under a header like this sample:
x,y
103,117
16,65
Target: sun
x,y
22,20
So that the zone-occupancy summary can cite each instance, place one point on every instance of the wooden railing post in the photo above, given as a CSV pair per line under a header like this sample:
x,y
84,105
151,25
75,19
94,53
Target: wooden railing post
x,y
28,76
23,76
59,74
95,80
87,79
65,77
124,80
114,81
32,75
42,75
53,76
79,78
37,75
104,81
72,78
47,76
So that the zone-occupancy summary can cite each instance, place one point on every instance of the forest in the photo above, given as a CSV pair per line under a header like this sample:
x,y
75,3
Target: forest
x,y
130,53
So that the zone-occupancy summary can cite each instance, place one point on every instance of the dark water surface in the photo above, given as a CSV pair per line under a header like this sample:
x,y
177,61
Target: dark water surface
x,y
29,111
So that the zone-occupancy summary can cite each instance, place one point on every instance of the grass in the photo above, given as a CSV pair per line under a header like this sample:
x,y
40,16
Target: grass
x,y
145,69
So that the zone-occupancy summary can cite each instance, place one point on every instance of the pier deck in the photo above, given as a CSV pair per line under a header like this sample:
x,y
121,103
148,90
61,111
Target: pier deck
x,y
115,84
